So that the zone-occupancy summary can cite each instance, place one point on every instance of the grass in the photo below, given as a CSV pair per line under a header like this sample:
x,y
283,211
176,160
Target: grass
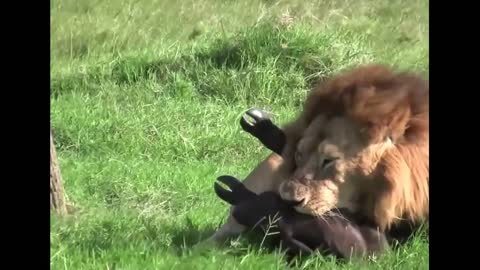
x,y
146,98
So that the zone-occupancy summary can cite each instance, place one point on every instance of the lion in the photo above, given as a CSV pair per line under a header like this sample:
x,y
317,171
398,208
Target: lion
x,y
361,143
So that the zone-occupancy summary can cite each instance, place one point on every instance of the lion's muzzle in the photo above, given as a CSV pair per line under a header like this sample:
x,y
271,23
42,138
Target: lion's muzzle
x,y
295,192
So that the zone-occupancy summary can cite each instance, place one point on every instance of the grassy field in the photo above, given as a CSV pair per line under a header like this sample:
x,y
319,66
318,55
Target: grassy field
x,y
145,101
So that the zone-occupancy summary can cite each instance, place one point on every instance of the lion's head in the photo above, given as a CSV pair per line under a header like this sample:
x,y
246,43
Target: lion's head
x,y
362,143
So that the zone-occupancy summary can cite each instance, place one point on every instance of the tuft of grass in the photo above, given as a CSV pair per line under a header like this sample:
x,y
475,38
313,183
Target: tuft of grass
x,y
146,98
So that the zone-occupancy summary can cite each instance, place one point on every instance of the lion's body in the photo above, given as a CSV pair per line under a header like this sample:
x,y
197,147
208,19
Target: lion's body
x,y
361,142
269,170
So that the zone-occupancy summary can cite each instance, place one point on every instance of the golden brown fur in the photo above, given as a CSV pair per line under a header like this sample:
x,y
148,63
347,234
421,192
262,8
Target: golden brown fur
x,y
373,125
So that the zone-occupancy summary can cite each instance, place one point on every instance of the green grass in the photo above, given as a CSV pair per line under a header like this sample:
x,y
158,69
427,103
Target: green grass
x,y
146,98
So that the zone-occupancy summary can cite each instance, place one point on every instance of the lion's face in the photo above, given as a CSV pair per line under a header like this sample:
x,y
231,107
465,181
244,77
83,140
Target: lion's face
x,y
333,166
361,143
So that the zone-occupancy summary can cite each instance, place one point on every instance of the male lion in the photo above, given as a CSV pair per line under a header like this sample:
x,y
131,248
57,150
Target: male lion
x,y
360,143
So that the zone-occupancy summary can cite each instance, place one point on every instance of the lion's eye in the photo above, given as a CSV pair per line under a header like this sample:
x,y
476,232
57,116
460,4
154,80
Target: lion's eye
x,y
327,162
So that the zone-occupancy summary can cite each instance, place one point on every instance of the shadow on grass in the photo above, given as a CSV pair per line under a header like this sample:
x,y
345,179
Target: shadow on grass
x,y
126,233
245,244
231,69
187,237
255,243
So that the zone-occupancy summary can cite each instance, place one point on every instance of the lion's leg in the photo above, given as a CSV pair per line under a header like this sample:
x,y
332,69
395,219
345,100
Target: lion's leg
x,y
265,177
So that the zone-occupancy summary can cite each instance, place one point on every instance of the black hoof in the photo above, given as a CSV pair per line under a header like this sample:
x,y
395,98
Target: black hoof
x,y
264,130
258,116
237,193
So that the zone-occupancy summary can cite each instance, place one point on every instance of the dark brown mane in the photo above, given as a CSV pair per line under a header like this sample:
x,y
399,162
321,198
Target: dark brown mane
x,y
384,102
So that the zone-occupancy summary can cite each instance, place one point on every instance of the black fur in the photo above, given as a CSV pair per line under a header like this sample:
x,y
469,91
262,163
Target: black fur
x,y
339,233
